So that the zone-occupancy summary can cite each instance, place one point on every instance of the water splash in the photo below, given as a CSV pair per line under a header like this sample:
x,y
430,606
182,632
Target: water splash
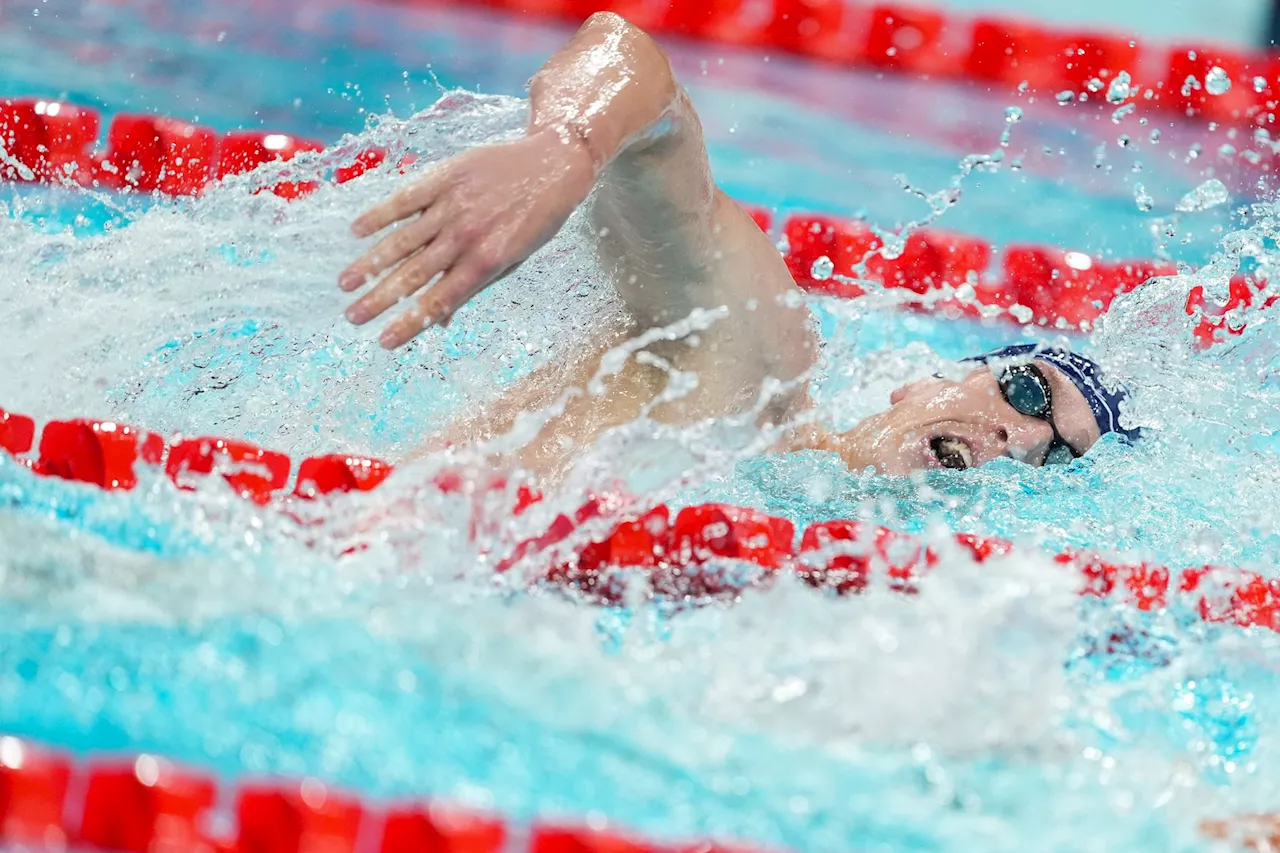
x,y
1207,195
220,315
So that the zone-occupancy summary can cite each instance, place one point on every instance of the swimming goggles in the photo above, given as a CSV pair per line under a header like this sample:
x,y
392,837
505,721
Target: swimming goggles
x,y
1027,389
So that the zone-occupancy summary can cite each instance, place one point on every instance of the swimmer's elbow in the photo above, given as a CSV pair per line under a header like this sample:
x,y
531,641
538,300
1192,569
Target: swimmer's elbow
x,y
642,53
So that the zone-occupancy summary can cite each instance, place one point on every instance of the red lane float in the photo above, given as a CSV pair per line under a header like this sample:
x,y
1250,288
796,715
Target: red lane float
x,y
901,556
146,805
1214,327
245,151
33,793
297,818
674,554
17,432
99,452
365,161
413,829
1217,84
916,39
51,140
252,472
326,475
831,30
558,838
987,49
154,154
843,557
1056,288
1059,288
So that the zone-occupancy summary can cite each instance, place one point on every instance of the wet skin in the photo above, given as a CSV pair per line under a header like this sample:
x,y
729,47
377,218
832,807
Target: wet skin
x,y
610,128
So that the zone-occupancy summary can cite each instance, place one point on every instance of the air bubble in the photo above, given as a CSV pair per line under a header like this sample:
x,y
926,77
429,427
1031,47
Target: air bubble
x,y
823,268
1216,82
1065,97
1119,90
1013,115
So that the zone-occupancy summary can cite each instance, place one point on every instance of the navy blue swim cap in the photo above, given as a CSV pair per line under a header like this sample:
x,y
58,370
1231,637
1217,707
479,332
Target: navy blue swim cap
x,y
1085,374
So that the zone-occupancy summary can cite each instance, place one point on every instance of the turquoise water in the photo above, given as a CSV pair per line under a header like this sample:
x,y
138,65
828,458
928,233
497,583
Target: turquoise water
x,y
992,712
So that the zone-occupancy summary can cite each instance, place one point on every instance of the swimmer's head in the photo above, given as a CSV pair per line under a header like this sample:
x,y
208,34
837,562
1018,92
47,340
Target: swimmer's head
x,y
1038,405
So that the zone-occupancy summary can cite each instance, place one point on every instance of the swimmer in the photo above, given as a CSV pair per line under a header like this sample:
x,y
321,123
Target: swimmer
x,y
610,127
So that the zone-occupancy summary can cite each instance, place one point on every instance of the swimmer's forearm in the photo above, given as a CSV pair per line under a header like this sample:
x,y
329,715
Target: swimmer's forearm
x,y
608,86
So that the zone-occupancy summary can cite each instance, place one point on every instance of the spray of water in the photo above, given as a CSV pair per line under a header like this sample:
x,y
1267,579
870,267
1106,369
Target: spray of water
x,y
941,711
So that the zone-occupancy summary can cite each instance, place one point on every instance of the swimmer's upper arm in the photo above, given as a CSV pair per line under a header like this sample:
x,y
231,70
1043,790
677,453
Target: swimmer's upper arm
x,y
671,242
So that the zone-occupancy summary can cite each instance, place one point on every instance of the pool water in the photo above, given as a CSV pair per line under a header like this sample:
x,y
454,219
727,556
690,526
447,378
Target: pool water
x,y
992,711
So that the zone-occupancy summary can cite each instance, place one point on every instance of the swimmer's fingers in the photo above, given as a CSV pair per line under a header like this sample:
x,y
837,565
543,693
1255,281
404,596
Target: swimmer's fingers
x,y
436,306
400,205
410,276
394,248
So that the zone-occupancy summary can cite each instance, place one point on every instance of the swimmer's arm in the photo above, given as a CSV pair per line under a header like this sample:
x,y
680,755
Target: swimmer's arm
x,y
476,217
606,110
670,240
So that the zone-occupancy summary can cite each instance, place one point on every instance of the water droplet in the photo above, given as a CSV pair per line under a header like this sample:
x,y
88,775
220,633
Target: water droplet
x,y
1209,194
1022,313
1216,82
1121,112
1119,90
894,246
822,269
1143,198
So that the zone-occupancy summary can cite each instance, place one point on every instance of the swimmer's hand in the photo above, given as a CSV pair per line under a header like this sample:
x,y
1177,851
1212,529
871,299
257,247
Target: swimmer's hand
x,y
468,223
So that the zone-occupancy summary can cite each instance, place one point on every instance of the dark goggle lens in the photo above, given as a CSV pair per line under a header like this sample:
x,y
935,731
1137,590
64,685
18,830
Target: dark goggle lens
x,y
1025,393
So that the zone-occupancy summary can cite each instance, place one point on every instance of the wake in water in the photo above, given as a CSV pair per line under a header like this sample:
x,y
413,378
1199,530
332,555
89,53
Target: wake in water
x,y
950,711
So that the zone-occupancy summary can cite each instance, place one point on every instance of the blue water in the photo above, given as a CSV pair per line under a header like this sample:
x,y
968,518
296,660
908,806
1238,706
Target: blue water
x,y
994,713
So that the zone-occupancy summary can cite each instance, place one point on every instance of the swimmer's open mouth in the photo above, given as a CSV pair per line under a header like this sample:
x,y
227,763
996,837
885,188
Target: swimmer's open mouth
x,y
952,452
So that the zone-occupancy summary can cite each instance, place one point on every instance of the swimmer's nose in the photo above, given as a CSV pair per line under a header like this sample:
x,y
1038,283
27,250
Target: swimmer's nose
x,y
1025,438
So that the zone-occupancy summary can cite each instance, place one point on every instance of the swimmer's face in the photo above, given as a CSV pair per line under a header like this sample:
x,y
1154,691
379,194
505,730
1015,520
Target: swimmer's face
x,y
939,423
